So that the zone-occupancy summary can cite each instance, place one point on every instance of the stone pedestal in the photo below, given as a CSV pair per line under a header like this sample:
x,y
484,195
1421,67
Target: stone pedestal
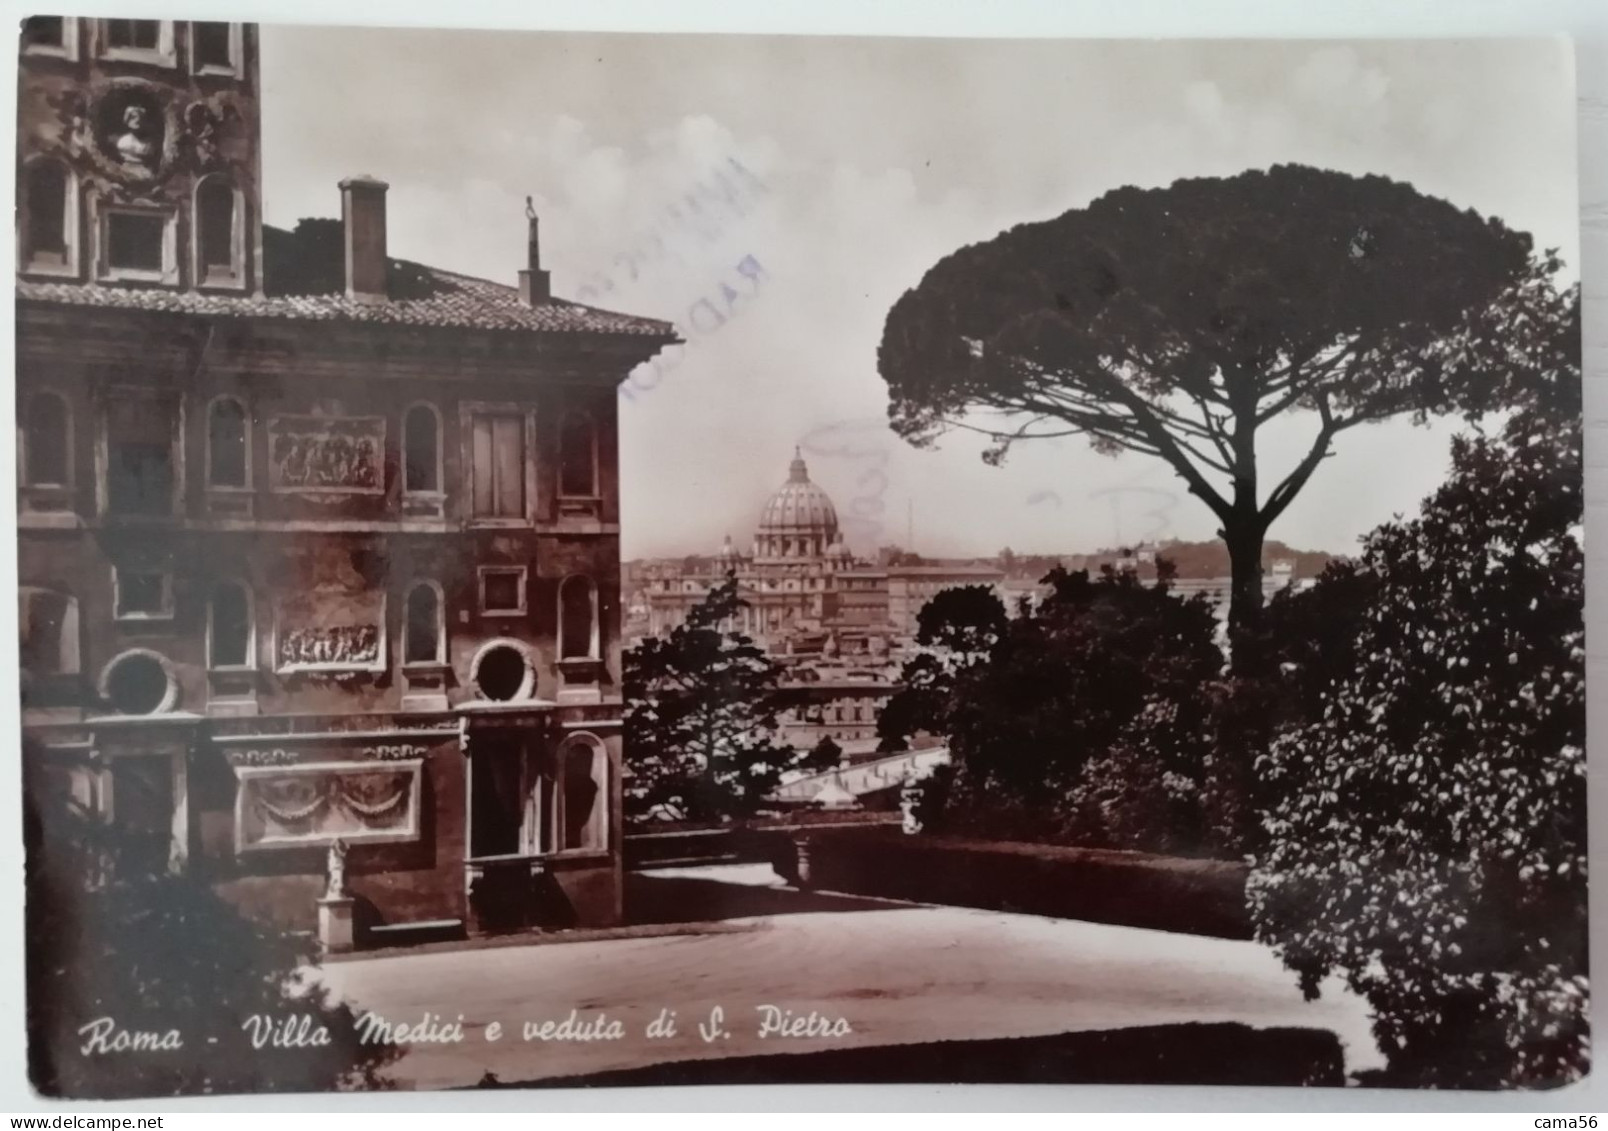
x,y
802,868
335,932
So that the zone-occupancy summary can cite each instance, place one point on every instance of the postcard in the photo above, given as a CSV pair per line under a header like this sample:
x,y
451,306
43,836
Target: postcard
x,y
556,559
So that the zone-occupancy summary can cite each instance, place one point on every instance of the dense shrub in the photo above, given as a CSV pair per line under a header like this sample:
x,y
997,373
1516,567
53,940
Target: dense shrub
x,y
1083,720
162,953
1427,830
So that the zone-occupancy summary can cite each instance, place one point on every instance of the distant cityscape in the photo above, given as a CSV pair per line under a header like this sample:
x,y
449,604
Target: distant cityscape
x,y
843,625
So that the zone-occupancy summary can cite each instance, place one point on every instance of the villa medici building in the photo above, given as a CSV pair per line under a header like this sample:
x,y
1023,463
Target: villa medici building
x,y
318,549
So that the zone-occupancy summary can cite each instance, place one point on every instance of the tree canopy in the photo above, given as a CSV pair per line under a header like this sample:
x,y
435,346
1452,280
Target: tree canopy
x,y
700,718
964,621
1178,321
824,755
1104,672
1427,828
958,627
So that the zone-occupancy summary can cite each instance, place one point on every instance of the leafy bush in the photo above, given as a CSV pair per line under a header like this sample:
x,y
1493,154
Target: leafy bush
x,y
1081,721
824,755
164,953
1427,829
1152,790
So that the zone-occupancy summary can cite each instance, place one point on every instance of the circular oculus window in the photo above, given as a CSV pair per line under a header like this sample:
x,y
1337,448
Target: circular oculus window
x,y
139,682
503,672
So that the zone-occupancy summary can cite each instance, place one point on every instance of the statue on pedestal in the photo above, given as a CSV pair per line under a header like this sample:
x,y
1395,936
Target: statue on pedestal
x,y
335,928
336,867
909,799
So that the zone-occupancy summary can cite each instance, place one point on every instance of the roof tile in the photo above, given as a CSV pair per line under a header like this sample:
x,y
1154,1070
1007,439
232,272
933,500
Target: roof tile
x,y
299,285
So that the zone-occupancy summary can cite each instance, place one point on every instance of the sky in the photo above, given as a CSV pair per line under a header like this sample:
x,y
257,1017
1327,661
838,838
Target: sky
x,y
829,175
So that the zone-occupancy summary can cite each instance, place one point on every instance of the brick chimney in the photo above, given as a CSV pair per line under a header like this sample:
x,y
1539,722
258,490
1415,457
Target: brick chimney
x,y
363,218
535,285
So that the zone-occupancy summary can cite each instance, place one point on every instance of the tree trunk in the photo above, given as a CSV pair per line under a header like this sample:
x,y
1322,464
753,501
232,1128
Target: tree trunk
x,y
1244,541
1243,531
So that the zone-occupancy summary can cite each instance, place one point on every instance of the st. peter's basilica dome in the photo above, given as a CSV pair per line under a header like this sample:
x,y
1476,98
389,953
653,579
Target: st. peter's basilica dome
x,y
799,521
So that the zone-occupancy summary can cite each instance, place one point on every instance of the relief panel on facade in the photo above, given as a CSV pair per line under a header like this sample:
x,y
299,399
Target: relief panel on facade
x,y
330,631
314,804
326,456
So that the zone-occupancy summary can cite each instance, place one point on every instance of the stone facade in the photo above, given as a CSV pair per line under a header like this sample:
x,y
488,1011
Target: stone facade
x,y
316,546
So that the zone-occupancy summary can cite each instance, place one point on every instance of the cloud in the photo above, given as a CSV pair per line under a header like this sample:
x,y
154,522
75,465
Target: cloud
x,y
1334,81
661,167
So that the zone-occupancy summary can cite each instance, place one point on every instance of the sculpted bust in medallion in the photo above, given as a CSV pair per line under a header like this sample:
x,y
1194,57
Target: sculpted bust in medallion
x,y
136,145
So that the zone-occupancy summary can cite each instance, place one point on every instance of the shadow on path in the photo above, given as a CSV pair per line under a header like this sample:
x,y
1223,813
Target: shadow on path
x,y
1227,1053
679,899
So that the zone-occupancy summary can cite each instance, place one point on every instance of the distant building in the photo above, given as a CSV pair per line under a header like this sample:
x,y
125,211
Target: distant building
x,y
804,590
843,709
1219,589
839,624
788,583
911,587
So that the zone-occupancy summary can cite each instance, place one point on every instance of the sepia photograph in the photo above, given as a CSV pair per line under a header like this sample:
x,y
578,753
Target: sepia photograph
x,y
577,559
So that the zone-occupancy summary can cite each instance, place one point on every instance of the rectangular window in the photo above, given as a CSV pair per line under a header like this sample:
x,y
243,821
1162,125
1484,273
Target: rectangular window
x,y
49,214
498,465
136,241
215,222
44,33
143,594
144,35
136,41
140,472
212,46
502,589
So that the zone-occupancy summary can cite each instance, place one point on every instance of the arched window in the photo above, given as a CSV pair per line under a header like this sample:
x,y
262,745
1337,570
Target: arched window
x,y
46,440
421,450
584,768
228,440
49,218
229,626
577,446
48,620
218,252
577,619
422,640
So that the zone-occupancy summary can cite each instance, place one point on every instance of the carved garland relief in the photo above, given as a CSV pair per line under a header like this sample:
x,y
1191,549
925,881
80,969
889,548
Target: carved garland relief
x,y
317,803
